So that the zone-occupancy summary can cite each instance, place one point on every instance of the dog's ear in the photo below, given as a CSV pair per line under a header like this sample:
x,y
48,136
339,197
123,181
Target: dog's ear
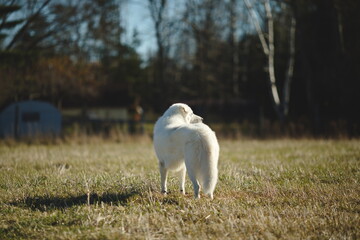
x,y
183,109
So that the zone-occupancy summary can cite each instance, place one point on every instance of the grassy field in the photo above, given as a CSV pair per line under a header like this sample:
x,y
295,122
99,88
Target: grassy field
x,y
271,189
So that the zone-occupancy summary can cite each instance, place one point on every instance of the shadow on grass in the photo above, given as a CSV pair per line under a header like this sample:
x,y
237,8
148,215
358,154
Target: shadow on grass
x,y
43,203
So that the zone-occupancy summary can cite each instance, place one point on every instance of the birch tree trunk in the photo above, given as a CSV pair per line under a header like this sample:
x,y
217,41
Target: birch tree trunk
x,y
290,70
281,107
271,61
257,26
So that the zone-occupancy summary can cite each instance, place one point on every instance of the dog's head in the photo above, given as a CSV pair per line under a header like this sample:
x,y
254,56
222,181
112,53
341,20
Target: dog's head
x,y
185,111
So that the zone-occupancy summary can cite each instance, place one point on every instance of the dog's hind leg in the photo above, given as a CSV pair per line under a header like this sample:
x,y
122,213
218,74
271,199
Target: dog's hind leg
x,y
182,175
163,175
195,183
191,162
192,175
192,165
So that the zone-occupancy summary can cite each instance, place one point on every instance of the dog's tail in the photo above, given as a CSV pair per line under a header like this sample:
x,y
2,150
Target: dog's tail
x,y
208,161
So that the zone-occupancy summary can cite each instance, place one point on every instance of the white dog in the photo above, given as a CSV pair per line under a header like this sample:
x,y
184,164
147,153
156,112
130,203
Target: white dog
x,y
183,143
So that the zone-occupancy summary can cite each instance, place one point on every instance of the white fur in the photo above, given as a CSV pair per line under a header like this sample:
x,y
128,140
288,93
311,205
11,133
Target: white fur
x,y
183,143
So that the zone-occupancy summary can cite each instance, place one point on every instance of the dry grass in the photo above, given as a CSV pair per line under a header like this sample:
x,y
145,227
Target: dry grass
x,y
289,189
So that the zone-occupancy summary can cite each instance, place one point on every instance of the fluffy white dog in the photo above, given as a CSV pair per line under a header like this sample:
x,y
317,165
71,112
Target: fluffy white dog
x,y
183,143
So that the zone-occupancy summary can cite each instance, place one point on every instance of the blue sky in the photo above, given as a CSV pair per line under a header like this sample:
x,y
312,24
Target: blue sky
x,y
135,15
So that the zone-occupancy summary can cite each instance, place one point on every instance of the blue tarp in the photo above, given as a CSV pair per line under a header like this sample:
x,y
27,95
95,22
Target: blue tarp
x,y
30,118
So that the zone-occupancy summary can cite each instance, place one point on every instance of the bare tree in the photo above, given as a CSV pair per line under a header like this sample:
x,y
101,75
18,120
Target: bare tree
x,y
290,68
207,27
234,47
26,24
281,107
157,11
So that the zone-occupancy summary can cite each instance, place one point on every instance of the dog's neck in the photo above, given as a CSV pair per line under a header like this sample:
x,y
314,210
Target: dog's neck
x,y
175,120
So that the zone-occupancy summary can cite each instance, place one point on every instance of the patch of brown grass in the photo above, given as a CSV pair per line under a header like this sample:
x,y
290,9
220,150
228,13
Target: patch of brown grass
x,y
288,189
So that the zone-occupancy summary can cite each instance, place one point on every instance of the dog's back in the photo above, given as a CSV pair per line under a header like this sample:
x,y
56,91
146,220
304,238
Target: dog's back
x,y
167,142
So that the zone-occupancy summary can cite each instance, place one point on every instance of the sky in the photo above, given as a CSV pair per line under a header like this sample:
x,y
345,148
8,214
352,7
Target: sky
x,y
135,15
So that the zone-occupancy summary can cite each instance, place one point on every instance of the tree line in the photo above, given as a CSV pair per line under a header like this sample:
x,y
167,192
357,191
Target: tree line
x,y
292,60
